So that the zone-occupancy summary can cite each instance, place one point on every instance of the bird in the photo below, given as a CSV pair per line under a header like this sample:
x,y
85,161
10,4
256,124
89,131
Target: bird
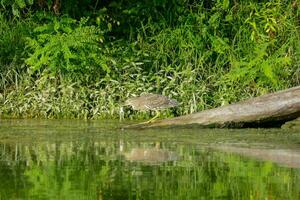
x,y
151,101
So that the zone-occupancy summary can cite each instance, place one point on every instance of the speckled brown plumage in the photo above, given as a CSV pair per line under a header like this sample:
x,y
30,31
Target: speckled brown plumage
x,y
151,102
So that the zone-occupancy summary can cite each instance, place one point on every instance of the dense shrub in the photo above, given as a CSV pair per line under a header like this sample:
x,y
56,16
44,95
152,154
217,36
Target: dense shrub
x,y
204,54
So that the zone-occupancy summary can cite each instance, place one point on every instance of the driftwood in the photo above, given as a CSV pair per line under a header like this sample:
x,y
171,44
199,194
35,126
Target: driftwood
x,y
268,110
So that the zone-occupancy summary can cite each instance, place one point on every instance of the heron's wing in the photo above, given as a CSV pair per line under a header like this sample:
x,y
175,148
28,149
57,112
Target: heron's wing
x,y
157,101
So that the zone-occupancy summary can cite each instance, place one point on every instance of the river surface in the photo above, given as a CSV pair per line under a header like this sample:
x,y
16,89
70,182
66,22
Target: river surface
x,y
73,159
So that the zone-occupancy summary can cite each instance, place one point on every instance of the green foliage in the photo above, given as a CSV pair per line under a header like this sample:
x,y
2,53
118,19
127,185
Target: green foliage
x,y
203,54
262,68
12,55
15,5
12,40
66,46
266,61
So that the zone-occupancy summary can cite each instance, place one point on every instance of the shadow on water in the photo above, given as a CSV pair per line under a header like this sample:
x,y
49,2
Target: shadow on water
x,y
72,159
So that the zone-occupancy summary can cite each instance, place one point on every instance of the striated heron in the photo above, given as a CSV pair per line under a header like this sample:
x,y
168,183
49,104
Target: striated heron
x,y
150,101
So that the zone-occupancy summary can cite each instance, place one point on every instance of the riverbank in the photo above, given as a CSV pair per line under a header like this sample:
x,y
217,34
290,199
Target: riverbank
x,y
85,66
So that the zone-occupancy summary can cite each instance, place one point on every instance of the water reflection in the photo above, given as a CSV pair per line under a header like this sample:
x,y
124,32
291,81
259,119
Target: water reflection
x,y
154,155
283,157
91,162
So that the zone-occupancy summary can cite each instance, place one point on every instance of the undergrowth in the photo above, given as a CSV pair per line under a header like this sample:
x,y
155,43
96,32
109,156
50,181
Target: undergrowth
x,y
202,54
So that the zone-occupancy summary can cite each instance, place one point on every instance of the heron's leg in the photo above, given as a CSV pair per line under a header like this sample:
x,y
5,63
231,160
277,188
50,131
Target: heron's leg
x,y
156,116
121,114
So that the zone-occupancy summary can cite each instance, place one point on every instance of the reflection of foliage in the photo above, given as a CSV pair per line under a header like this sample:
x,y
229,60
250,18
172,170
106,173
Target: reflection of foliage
x,y
94,169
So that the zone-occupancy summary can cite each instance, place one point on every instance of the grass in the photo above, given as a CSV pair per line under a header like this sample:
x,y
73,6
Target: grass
x,y
205,58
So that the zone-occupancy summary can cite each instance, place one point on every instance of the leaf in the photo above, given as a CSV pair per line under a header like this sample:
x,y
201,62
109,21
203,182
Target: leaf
x,y
42,28
15,11
226,4
267,69
219,44
56,26
20,3
30,2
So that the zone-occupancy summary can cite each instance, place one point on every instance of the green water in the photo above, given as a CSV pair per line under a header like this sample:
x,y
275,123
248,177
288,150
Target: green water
x,y
60,159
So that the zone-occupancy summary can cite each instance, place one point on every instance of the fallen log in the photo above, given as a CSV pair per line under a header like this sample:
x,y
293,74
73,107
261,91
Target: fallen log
x,y
270,110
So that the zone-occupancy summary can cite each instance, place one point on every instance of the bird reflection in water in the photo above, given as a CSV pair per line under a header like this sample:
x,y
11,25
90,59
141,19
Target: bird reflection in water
x,y
154,155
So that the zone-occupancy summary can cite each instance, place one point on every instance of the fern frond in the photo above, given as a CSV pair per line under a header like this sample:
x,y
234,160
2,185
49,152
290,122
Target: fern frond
x,y
62,47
